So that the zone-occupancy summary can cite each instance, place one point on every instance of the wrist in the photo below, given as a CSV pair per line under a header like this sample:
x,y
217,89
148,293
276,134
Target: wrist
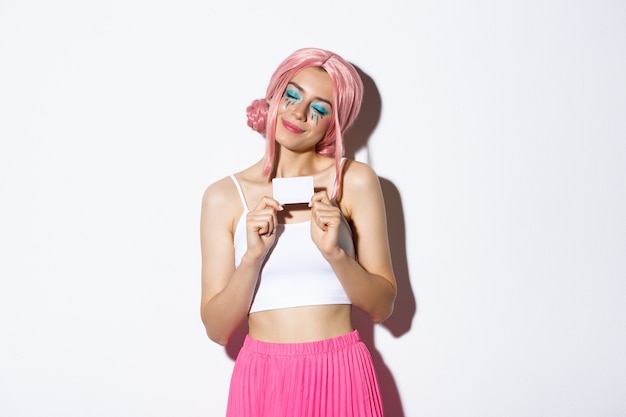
x,y
335,255
252,259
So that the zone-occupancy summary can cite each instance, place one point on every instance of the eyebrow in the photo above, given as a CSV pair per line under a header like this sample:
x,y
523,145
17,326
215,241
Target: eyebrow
x,y
315,98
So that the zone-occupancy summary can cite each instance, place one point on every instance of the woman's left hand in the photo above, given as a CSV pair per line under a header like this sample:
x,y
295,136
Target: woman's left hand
x,y
325,222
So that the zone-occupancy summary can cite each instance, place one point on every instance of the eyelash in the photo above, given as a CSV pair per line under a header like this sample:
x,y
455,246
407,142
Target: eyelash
x,y
292,97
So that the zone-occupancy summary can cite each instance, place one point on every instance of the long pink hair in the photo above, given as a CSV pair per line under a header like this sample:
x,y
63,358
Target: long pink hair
x,y
346,100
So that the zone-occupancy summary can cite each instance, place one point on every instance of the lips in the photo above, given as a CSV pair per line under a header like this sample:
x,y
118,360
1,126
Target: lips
x,y
291,127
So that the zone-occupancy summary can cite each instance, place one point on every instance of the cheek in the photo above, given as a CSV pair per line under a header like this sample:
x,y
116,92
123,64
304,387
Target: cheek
x,y
321,123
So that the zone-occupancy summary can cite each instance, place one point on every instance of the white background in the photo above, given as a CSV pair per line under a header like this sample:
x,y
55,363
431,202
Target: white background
x,y
497,128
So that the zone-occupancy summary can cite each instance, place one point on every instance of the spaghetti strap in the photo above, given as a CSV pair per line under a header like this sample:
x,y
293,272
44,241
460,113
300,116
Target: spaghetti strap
x,y
240,191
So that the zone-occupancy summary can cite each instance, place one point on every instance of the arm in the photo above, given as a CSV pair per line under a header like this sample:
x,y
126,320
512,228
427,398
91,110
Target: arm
x,y
369,280
227,291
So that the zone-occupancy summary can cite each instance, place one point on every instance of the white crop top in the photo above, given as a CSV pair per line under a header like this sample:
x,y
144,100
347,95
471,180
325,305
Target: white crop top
x,y
295,273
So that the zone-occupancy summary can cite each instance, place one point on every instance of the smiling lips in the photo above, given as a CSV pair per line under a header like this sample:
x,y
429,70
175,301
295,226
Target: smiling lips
x,y
291,127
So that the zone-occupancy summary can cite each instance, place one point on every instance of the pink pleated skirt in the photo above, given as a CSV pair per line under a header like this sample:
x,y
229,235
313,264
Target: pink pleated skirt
x,y
326,378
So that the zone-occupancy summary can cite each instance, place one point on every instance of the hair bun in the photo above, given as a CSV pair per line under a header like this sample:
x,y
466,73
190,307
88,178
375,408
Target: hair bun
x,y
257,115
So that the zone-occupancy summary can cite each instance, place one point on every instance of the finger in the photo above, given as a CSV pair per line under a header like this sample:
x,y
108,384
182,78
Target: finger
x,y
263,217
321,197
263,224
325,218
328,220
268,202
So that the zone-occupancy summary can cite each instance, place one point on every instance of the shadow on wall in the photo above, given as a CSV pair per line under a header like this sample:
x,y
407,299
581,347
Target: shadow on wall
x,y
405,307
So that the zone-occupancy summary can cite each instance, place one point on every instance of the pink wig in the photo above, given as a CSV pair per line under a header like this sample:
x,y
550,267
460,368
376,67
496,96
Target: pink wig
x,y
346,100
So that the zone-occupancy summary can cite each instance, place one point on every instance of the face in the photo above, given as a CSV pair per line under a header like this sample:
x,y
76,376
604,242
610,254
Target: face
x,y
305,110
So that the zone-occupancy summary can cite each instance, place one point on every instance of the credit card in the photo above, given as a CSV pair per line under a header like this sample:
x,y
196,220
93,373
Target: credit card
x,y
293,190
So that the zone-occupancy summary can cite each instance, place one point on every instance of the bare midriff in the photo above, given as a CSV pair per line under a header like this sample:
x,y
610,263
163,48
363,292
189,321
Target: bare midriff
x,y
301,324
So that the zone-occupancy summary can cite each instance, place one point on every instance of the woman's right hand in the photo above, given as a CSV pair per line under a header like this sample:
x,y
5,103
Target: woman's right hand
x,y
261,224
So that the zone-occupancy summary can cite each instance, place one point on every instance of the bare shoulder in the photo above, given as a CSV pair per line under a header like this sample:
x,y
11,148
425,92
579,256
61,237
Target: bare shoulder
x,y
219,192
220,200
359,177
360,183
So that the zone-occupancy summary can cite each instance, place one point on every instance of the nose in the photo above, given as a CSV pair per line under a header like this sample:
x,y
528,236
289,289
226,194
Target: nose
x,y
299,111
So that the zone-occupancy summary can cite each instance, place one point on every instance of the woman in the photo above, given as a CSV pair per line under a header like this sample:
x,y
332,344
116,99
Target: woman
x,y
294,271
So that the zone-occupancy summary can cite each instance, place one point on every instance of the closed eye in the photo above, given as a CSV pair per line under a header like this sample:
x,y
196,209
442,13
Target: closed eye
x,y
292,95
321,110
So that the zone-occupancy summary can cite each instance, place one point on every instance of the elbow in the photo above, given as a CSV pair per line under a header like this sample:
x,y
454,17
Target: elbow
x,y
220,329
217,338
383,314
217,335
214,333
380,308
386,309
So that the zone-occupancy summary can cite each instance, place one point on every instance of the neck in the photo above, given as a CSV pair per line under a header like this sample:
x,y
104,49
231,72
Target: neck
x,y
297,165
